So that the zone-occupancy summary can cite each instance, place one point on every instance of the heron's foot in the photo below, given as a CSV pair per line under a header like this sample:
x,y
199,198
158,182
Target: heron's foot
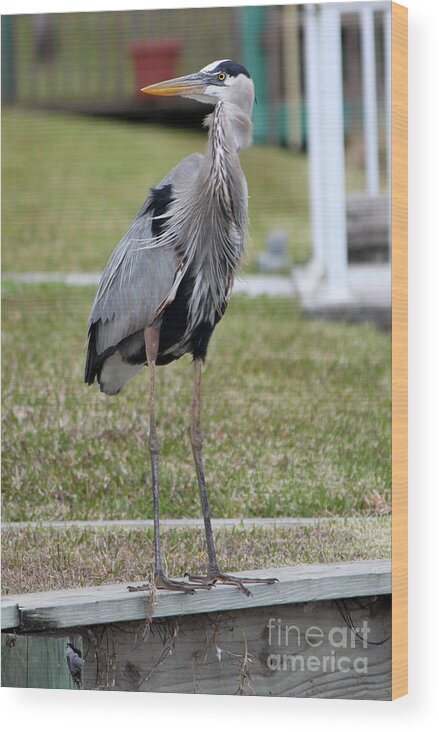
x,y
163,583
214,575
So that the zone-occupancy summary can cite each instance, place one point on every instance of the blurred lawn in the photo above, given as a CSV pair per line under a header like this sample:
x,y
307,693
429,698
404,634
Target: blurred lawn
x,y
297,417
296,413
72,185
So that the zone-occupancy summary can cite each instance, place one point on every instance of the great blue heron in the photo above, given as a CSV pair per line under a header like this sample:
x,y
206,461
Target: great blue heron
x,y
168,282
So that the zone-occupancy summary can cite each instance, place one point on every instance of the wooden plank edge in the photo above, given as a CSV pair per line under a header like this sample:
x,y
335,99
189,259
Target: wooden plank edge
x,y
10,614
217,524
113,603
399,351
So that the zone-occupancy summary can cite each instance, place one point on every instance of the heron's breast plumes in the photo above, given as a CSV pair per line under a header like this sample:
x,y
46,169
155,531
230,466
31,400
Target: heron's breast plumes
x,y
207,223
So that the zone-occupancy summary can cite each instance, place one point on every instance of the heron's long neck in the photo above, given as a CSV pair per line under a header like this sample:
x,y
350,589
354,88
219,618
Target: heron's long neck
x,y
230,127
230,131
208,220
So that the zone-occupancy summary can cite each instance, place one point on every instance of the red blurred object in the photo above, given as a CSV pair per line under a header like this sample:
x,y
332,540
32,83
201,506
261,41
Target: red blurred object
x,y
154,61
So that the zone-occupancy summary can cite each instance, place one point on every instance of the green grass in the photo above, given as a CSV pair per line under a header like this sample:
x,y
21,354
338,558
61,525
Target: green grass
x,y
38,559
72,185
297,417
296,413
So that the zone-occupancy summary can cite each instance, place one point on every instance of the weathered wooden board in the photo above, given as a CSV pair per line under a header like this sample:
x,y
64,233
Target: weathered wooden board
x,y
367,228
14,661
113,603
269,523
288,639
10,613
37,662
301,650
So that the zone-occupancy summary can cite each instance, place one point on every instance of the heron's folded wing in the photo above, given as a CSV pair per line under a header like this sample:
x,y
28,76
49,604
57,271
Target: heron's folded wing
x,y
140,273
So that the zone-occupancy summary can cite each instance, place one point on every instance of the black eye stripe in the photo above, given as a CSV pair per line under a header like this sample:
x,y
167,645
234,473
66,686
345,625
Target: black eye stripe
x,y
231,68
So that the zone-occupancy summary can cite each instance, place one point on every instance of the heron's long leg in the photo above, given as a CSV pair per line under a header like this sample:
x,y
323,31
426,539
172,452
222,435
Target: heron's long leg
x,y
152,338
197,450
213,574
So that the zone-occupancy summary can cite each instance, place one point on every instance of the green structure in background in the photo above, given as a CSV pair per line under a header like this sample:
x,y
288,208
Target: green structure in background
x,y
8,75
253,20
270,118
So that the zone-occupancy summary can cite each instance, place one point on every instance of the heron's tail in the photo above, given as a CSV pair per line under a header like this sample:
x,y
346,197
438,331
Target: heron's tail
x,y
91,361
113,368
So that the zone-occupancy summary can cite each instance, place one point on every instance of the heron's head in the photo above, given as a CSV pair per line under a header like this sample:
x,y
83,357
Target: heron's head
x,y
221,80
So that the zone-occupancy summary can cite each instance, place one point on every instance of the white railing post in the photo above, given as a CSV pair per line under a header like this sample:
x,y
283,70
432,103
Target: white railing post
x,y
388,90
388,109
313,132
331,120
370,121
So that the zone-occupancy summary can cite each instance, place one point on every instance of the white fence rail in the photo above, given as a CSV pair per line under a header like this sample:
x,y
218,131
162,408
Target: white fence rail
x,y
326,147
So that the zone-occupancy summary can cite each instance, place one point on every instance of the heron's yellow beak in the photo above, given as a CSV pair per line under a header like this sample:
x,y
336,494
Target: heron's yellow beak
x,y
185,85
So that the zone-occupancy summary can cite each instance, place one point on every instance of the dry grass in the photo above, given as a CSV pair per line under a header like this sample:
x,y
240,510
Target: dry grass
x,y
37,559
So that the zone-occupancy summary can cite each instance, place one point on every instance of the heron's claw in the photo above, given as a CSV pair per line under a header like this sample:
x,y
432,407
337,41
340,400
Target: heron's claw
x,y
214,576
163,583
138,588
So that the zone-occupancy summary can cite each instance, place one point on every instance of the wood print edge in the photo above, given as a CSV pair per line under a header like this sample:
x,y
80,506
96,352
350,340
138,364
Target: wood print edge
x,y
399,351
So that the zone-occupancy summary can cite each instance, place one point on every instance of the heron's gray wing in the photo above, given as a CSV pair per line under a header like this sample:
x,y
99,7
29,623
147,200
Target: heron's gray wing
x,y
140,273
133,286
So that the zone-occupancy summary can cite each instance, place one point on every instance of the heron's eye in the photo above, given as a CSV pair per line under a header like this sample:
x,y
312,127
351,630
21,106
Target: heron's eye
x,y
221,76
